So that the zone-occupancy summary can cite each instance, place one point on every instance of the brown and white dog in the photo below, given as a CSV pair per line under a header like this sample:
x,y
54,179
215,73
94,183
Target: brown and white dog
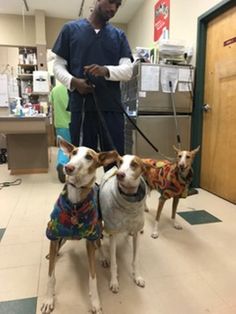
x,y
75,215
122,197
171,180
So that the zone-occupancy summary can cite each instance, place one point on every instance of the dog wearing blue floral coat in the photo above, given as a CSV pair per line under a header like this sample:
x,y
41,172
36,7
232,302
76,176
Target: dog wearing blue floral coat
x,y
76,216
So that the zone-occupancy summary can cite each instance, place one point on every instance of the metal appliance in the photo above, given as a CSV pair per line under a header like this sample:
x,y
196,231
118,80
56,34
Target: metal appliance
x,y
152,110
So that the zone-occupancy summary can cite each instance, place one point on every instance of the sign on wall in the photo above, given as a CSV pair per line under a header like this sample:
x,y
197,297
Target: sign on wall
x,y
3,91
161,20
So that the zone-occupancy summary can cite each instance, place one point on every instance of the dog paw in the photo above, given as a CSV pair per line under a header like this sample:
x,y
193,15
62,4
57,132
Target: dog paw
x,y
177,226
96,309
114,286
155,234
47,306
139,281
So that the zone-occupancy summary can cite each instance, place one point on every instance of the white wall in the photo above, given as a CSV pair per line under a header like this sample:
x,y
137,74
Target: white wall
x,y
183,21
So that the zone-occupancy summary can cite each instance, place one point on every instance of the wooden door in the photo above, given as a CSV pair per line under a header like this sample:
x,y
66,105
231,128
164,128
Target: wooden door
x,y
218,166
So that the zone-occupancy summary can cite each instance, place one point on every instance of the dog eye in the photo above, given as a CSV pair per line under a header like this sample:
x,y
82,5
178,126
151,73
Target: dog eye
x,y
180,156
74,152
134,164
188,157
88,157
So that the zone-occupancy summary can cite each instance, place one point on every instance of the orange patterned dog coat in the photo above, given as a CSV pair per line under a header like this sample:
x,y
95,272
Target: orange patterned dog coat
x,y
165,177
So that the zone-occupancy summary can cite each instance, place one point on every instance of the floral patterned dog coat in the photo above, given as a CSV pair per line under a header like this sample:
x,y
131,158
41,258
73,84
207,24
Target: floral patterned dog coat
x,y
165,177
74,221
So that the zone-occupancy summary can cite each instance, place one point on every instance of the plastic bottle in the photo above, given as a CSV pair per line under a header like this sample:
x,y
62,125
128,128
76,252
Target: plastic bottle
x,y
19,108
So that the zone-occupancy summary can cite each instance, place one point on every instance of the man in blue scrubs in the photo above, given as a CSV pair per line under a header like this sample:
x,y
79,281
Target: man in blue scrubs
x,y
93,48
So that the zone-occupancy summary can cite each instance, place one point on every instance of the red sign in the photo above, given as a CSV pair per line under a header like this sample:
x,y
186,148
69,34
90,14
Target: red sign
x,y
161,20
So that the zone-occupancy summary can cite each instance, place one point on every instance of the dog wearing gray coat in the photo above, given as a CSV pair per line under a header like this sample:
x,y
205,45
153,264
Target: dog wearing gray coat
x,y
122,198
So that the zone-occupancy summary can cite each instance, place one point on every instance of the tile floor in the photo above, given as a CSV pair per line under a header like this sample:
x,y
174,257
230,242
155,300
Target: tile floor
x,y
189,271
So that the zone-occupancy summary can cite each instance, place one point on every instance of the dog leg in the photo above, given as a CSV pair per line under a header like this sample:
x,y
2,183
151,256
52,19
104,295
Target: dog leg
x,y
103,260
174,209
114,284
48,303
93,292
155,232
138,279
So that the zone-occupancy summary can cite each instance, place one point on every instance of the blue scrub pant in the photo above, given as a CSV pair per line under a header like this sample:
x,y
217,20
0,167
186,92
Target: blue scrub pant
x,y
61,157
94,133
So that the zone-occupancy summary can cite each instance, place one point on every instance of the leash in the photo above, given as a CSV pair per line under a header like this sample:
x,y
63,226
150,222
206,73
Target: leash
x,y
101,120
125,113
175,115
7,183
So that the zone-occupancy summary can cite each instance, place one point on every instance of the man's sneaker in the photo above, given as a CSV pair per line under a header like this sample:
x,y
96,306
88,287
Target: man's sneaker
x,y
61,175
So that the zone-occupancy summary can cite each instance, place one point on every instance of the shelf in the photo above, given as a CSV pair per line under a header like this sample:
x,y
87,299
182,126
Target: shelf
x,y
25,76
27,65
42,93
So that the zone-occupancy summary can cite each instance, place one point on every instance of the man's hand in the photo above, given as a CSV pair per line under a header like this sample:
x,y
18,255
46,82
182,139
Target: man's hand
x,y
96,70
82,86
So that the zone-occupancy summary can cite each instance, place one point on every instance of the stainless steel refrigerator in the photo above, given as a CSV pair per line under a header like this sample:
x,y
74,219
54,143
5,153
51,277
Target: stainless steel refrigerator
x,y
152,109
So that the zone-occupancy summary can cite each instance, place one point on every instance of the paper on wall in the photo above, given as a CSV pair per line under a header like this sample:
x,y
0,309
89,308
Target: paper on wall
x,y
3,91
185,75
169,74
150,78
185,87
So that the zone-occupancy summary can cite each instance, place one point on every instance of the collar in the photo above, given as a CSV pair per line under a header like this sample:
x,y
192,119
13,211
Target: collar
x,y
78,205
135,197
189,176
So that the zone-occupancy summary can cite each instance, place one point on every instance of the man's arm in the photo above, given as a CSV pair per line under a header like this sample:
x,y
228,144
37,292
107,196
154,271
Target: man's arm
x,y
121,72
62,74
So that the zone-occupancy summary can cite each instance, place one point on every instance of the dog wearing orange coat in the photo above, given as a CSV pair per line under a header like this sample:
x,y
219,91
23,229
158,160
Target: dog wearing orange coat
x,y
171,180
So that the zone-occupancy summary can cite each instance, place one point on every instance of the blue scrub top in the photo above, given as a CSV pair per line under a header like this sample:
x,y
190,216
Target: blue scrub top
x,y
80,45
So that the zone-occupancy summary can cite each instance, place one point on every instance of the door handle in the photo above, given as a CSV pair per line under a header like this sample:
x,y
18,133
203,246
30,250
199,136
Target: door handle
x,y
206,107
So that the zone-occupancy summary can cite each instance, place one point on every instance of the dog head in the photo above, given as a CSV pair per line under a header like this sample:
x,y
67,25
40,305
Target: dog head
x,y
130,170
185,158
83,162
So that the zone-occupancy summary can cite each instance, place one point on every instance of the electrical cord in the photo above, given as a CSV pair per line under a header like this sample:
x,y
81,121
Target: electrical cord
x,y
7,183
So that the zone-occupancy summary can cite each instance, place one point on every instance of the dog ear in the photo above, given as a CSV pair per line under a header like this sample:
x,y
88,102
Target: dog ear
x,y
194,151
147,164
106,158
176,149
64,145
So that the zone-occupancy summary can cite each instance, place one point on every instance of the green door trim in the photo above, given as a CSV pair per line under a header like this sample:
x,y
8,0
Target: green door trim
x,y
197,115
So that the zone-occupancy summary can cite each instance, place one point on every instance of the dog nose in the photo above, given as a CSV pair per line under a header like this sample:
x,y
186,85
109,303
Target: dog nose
x,y
69,169
120,175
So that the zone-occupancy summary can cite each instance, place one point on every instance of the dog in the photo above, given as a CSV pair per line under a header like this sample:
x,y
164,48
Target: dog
x,y
75,215
122,197
171,180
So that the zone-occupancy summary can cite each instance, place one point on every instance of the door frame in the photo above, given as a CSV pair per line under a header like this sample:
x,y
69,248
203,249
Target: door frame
x,y
197,115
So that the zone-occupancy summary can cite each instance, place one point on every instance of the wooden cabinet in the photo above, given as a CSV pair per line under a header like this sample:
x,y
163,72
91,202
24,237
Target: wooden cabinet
x,y
27,144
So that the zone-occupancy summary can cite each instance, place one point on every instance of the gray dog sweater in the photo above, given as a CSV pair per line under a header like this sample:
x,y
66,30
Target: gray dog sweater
x,y
121,212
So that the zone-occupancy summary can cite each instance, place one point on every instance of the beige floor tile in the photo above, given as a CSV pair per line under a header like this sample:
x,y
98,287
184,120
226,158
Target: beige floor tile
x,y
23,235
20,255
18,283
